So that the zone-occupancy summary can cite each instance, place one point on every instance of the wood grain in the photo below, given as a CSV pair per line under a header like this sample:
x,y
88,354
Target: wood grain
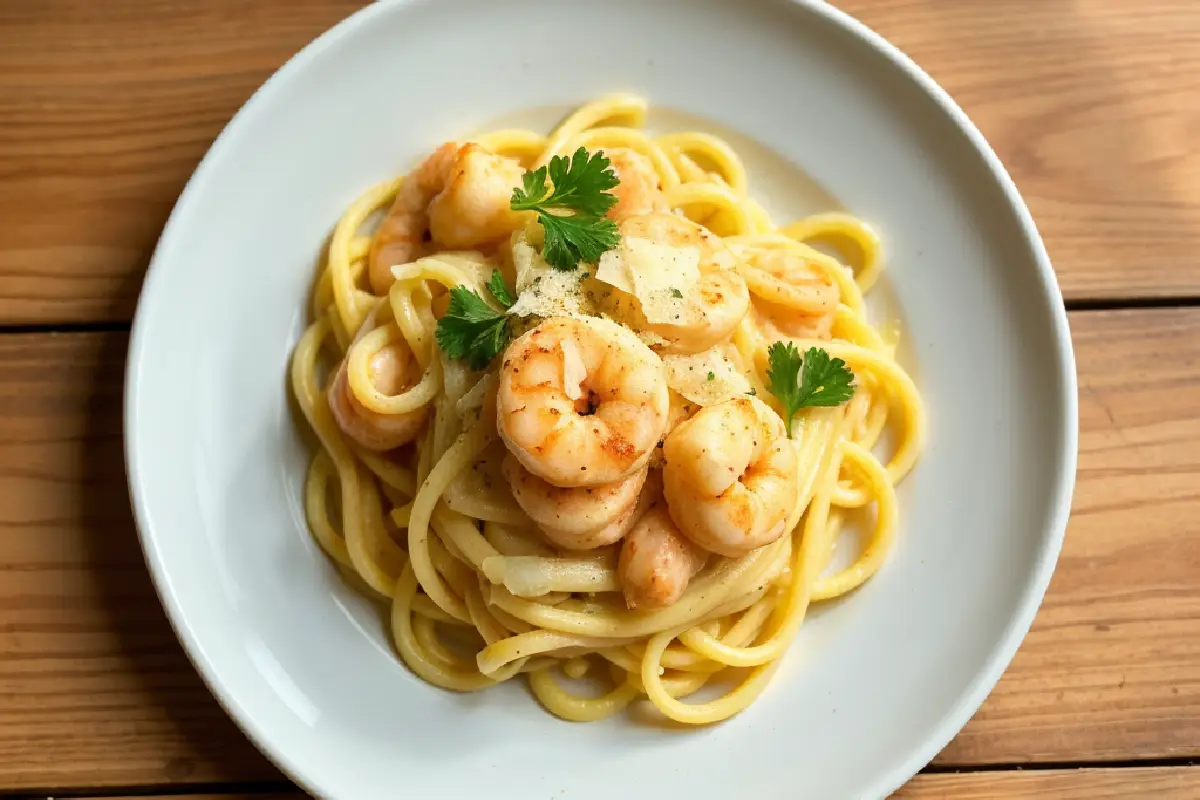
x,y
1111,668
107,107
1179,783
96,691
1167,783
1094,106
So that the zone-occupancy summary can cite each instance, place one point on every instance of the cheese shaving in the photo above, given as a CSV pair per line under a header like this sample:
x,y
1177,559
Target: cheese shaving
x,y
544,291
660,276
706,378
574,371
611,269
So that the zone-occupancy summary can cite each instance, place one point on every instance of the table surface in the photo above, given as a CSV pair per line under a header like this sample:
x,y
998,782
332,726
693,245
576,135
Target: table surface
x,y
105,108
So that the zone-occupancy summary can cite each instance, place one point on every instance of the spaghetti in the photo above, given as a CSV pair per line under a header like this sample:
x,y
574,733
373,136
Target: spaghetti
x,y
478,596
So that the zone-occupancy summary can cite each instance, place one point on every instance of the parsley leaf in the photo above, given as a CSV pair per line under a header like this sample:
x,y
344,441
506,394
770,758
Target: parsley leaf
x,y
815,380
570,240
578,184
532,192
499,289
471,328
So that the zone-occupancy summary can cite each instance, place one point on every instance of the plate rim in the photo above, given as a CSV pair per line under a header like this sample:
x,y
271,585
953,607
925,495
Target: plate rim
x,y
1002,652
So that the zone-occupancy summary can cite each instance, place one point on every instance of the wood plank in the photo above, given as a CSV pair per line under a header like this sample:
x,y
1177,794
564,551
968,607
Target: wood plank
x,y
1111,667
107,107
1168,783
97,692
1094,108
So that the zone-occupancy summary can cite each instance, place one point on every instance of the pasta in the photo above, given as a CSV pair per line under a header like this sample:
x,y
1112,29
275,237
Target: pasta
x,y
499,557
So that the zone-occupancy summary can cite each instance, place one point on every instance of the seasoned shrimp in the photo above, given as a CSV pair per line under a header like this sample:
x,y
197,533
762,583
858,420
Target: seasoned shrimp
x,y
711,309
580,518
730,477
782,323
639,191
581,401
797,297
460,195
657,561
392,370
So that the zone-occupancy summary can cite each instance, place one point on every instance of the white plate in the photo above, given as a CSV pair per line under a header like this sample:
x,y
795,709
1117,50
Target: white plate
x,y
874,686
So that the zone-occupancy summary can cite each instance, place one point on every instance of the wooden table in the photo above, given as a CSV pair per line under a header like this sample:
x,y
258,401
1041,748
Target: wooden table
x,y
105,108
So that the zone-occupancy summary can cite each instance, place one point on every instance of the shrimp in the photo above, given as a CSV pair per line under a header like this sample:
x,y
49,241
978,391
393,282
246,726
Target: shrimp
x,y
391,369
730,477
657,561
581,518
796,296
581,401
639,191
460,194
713,307
781,323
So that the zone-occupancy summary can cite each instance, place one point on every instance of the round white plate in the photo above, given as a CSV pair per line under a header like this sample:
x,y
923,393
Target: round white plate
x,y
875,684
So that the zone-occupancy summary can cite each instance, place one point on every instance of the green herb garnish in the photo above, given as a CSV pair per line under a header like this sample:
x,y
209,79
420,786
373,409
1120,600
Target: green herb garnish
x,y
578,184
471,328
499,289
815,380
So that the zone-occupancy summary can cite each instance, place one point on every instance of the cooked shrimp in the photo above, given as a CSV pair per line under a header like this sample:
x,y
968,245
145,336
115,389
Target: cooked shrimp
x,y
711,309
392,370
657,561
581,402
639,191
730,477
460,195
580,518
796,296
782,323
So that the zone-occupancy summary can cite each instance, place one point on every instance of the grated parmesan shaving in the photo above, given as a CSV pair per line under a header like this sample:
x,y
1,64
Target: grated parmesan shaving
x,y
706,378
611,269
574,371
544,291
660,276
